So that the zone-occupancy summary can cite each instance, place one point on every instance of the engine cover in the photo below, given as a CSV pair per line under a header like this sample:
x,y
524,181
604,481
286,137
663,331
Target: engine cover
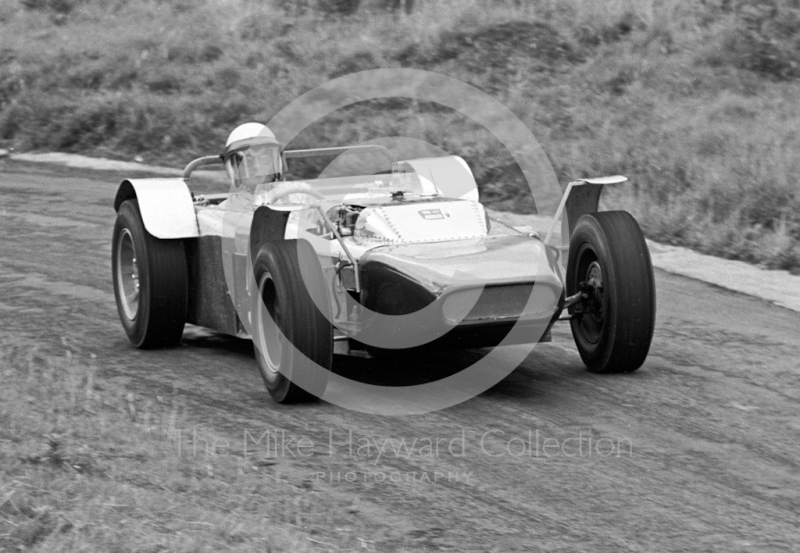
x,y
421,222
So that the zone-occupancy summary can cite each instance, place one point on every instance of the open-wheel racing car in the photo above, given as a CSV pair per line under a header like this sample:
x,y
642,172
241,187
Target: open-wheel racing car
x,y
370,264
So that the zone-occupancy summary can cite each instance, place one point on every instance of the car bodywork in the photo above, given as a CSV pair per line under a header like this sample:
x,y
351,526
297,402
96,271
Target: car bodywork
x,y
408,253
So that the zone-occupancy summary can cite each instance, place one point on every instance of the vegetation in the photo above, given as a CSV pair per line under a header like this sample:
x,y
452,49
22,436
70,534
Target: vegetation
x,y
88,465
695,101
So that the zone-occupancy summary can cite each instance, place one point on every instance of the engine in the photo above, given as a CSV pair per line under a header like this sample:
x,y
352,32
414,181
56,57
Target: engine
x,y
415,221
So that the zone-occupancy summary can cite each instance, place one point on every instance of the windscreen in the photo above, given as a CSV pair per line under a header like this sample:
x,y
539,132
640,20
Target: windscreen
x,y
361,189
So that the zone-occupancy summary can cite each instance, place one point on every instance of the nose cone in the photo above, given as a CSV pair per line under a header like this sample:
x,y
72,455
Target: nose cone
x,y
479,261
418,293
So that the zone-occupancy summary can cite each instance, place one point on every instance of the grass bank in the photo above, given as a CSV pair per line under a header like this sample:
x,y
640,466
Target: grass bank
x,y
86,464
696,102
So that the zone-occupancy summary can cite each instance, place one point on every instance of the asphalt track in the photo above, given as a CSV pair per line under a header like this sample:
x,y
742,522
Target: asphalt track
x,y
697,451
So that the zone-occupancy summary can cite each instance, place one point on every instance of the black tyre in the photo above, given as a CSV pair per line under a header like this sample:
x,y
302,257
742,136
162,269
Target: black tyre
x,y
294,357
150,281
609,260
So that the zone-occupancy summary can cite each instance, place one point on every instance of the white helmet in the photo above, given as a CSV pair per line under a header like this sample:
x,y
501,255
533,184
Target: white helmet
x,y
249,134
252,152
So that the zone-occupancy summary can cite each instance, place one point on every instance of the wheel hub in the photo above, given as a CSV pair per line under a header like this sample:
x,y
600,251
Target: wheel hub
x,y
128,274
594,277
269,342
590,311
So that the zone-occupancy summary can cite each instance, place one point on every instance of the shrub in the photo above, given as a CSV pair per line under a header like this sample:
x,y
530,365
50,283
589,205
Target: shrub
x,y
354,63
54,6
339,7
765,39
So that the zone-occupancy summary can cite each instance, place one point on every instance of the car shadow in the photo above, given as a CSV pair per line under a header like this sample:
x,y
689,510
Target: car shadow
x,y
406,369
203,338
387,369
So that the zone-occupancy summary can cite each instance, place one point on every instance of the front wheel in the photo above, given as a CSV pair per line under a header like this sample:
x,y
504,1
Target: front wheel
x,y
292,332
610,263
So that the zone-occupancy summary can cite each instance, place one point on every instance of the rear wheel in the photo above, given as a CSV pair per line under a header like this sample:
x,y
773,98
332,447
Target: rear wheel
x,y
610,263
293,338
150,281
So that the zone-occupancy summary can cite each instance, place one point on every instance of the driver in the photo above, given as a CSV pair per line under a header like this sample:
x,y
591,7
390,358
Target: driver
x,y
252,156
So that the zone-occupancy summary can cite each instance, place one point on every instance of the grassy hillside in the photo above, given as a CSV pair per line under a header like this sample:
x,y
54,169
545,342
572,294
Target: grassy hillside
x,y
695,101
86,465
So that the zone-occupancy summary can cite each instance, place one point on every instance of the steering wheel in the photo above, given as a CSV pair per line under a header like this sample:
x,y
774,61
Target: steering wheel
x,y
287,188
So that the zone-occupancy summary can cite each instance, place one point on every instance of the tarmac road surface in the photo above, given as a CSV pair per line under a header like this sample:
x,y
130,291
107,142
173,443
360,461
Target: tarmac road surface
x,y
697,451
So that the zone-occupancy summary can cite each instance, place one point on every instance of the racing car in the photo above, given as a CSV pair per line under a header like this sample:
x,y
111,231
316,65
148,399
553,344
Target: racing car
x,y
392,260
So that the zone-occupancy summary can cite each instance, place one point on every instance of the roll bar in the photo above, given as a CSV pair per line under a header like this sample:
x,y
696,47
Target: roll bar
x,y
199,162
